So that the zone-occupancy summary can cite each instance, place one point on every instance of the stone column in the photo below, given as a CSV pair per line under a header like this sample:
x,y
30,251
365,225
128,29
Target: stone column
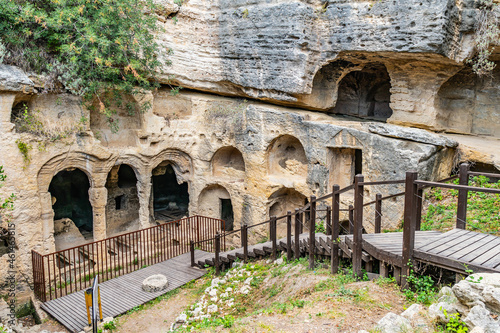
x,y
144,186
6,102
47,216
98,197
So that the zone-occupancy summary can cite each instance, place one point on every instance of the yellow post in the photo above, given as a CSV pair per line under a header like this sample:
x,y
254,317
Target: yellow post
x,y
99,301
88,304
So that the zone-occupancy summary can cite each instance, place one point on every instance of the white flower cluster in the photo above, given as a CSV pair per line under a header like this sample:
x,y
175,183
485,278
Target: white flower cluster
x,y
219,296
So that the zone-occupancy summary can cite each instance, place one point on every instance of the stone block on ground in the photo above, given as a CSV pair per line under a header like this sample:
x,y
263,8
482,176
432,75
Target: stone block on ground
x,y
155,283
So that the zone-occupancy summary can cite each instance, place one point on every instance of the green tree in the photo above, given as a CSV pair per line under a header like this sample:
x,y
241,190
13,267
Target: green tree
x,y
98,49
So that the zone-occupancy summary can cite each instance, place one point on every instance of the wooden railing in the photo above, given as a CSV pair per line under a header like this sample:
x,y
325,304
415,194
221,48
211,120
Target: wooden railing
x,y
410,212
70,270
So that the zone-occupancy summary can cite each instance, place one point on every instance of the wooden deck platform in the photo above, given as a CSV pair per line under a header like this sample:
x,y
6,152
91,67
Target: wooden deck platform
x,y
123,293
457,250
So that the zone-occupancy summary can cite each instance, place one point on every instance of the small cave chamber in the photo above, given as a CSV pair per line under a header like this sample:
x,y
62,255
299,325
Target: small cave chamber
x,y
215,201
170,199
228,162
73,216
122,208
365,93
282,201
287,157
343,164
469,104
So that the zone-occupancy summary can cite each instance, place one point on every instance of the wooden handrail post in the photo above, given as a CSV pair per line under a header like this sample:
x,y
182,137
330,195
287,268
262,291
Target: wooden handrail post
x,y
358,225
328,228
335,229
191,248
289,235
197,228
217,252
409,224
463,179
273,237
312,231
244,242
418,208
378,213
351,219
297,234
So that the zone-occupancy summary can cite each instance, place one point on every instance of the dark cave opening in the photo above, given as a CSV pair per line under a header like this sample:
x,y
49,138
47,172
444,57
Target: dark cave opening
x,y
122,208
70,188
365,93
170,199
227,214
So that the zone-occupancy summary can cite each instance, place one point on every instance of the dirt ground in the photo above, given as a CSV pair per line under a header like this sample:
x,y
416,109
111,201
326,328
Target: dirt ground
x,y
289,298
348,308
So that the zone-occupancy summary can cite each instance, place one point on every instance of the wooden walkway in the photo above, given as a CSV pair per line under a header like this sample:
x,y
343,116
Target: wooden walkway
x,y
457,250
123,293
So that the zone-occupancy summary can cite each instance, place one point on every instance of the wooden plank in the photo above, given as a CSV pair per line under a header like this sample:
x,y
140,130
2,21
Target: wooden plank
x,y
493,263
449,263
443,240
488,243
466,247
490,253
456,244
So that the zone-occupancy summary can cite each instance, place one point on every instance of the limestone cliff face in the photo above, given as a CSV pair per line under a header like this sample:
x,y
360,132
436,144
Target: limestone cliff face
x,y
363,64
274,50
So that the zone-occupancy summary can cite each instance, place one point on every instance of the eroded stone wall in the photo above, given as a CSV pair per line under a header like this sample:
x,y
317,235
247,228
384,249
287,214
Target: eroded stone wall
x,y
400,62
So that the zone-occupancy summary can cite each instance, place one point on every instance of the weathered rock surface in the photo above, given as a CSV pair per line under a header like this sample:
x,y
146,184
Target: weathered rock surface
x,y
155,283
14,79
412,134
479,316
475,299
392,323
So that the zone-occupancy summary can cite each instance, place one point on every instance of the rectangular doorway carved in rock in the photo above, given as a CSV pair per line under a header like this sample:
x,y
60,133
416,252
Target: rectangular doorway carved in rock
x,y
343,165
226,213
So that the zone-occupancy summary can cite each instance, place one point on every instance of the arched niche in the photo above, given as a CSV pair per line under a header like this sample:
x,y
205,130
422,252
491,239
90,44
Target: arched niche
x,y
215,201
73,216
122,208
365,93
170,199
282,201
228,162
469,104
287,157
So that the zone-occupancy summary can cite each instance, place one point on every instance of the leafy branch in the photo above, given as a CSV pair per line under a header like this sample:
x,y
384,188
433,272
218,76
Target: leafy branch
x,y
89,47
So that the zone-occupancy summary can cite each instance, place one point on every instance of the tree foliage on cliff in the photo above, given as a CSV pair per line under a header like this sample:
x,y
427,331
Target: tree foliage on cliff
x,y
487,35
88,46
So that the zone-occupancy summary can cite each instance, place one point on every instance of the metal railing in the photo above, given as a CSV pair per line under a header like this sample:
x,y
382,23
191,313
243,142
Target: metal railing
x,y
63,272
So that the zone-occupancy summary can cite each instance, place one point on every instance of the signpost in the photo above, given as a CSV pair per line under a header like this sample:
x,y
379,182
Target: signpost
x,y
93,305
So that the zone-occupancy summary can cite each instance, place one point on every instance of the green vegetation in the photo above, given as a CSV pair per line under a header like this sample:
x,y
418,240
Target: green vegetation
x,y
87,46
24,148
483,209
29,121
7,203
454,325
487,34
422,288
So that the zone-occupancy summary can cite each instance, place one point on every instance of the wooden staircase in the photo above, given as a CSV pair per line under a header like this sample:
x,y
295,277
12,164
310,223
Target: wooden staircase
x,y
265,249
